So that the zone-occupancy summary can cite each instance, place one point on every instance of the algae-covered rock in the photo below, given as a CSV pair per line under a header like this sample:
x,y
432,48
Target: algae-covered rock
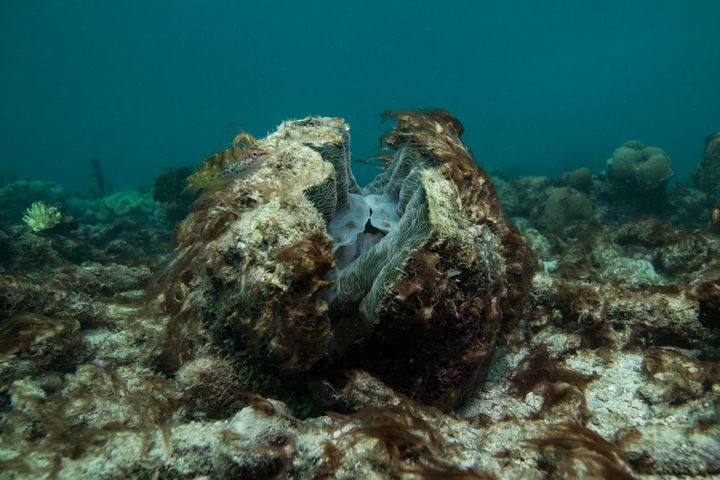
x,y
292,266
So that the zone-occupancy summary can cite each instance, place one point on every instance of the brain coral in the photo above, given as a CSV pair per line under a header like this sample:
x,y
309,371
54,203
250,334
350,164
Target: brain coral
x,y
579,179
640,168
655,171
565,205
623,165
294,268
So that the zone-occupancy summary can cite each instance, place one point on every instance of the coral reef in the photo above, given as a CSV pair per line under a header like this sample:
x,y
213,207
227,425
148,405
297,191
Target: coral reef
x,y
563,206
306,327
129,204
636,167
579,179
16,196
64,228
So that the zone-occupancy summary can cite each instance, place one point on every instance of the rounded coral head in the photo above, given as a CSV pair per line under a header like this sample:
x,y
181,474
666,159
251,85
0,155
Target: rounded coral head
x,y
640,168
654,172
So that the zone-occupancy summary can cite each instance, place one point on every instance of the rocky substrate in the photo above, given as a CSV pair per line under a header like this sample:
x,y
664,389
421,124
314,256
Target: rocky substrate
x,y
613,371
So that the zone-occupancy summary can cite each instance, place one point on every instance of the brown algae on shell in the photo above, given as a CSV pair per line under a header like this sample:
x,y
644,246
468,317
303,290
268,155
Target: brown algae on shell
x,y
407,277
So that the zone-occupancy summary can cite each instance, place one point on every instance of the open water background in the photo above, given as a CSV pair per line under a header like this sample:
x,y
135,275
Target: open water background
x,y
540,86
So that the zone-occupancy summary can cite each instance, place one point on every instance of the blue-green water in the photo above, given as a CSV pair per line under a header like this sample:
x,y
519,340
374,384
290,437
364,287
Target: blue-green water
x,y
540,86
